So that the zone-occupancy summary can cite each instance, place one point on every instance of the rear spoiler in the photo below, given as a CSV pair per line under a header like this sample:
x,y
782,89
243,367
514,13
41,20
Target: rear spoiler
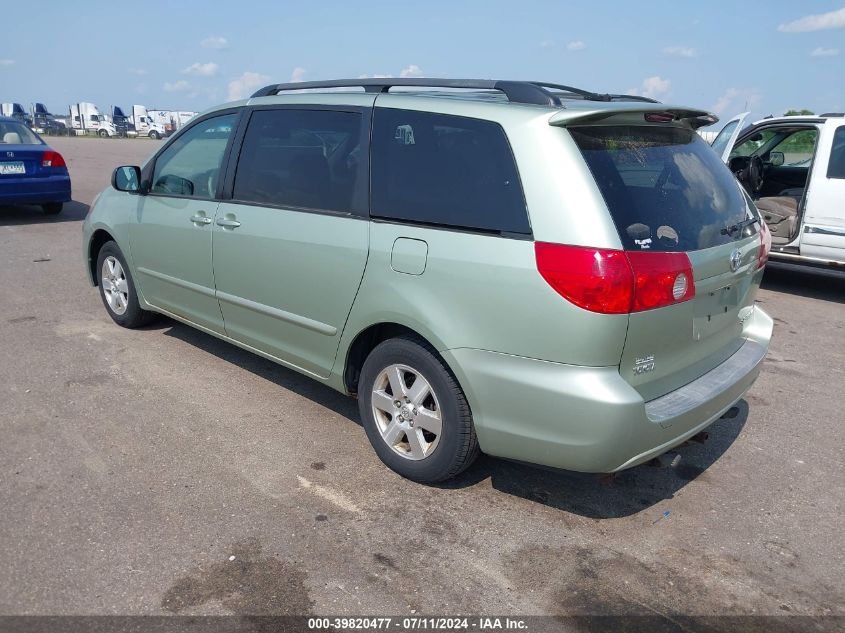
x,y
579,116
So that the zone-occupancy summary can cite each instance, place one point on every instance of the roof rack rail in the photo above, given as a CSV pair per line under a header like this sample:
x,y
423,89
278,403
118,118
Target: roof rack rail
x,y
832,114
532,92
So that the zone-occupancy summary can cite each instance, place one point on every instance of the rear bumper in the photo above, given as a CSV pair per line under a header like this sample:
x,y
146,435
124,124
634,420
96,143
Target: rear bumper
x,y
35,190
590,419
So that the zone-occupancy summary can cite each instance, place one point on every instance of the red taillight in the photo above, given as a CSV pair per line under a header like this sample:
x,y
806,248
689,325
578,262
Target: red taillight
x,y
615,282
660,279
765,244
52,159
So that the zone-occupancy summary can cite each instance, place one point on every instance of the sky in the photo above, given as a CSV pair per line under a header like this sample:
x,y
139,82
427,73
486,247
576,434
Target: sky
x,y
723,56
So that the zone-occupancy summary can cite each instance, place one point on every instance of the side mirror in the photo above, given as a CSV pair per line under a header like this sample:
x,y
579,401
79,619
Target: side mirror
x,y
127,178
776,159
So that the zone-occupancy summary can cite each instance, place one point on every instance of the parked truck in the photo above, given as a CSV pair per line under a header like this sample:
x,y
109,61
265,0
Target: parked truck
x,y
86,118
122,123
793,167
44,122
16,111
144,123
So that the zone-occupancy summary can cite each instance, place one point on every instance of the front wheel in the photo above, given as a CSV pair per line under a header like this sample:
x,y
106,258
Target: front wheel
x,y
117,289
415,413
103,133
154,135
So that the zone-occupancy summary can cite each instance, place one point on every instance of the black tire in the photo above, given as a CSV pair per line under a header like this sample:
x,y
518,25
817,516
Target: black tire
x,y
134,316
52,208
103,134
154,135
457,446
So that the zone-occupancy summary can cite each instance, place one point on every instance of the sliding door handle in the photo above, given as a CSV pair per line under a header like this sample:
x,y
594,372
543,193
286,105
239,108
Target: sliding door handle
x,y
200,219
228,223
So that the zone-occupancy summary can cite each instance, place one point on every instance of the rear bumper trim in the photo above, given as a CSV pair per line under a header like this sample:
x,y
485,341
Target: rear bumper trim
x,y
708,386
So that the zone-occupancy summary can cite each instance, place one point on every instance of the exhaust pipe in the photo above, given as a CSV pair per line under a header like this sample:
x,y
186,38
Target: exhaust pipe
x,y
670,459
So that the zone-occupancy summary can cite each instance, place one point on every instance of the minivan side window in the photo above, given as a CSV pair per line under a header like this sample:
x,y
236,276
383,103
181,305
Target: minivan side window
x,y
445,170
836,165
190,165
309,159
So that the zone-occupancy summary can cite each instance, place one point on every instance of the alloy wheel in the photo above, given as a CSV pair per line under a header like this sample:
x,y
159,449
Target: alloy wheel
x,y
115,286
406,411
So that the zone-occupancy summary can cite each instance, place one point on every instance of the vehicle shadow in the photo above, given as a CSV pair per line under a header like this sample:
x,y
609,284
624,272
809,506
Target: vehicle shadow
x,y
589,495
805,282
73,211
610,496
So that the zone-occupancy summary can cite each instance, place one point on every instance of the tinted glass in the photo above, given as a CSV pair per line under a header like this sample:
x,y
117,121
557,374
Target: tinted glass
x,y
665,188
445,170
836,166
190,166
301,158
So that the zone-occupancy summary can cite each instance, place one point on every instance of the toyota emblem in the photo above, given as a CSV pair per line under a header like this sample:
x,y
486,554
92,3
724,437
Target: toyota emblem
x,y
736,259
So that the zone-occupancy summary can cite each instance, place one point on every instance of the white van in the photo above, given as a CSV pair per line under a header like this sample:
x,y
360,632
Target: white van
x,y
794,169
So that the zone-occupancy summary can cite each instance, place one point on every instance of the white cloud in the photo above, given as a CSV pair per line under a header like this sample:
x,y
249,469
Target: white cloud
x,y
176,86
576,45
7,62
680,51
652,87
736,99
215,42
547,44
140,72
824,52
374,76
202,70
815,22
246,84
298,74
411,71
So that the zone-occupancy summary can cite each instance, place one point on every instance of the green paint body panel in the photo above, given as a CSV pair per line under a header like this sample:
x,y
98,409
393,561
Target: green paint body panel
x,y
547,382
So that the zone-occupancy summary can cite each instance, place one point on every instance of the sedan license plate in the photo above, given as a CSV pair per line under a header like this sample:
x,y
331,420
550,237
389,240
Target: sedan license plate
x,y
12,168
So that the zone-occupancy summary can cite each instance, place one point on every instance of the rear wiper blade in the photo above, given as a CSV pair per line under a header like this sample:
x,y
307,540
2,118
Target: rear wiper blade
x,y
730,230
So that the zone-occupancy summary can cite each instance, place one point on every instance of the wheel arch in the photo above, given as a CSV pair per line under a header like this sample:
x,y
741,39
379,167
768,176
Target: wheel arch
x,y
98,238
368,338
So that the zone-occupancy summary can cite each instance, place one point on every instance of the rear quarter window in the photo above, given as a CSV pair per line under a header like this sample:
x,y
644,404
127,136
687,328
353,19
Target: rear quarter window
x,y
665,188
836,165
445,170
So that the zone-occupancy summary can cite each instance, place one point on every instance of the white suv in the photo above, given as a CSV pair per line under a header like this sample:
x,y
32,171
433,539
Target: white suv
x,y
794,169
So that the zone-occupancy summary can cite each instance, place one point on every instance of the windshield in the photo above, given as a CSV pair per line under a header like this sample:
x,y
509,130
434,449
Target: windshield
x,y
665,188
12,133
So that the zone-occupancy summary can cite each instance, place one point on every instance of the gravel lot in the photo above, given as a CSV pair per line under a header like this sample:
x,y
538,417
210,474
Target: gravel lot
x,y
135,464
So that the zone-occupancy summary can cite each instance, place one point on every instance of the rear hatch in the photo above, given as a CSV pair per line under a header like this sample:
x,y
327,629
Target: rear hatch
x,y
668,192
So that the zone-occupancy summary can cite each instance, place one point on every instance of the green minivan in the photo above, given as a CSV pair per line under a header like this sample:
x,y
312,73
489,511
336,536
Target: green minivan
x,y
531,270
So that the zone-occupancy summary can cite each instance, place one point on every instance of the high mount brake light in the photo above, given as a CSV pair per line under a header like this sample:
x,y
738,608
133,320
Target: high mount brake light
x,y
615,282
52,159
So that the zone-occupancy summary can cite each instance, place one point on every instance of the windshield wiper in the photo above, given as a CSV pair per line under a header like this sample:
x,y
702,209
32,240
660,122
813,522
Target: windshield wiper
x,y
730,230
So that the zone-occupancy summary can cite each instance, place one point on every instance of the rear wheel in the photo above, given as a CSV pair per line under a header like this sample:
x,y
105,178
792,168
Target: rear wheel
x,y
117,289
415,413
52,208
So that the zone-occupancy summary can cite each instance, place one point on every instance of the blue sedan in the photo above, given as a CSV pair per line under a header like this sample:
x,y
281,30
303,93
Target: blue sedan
x,y
30,171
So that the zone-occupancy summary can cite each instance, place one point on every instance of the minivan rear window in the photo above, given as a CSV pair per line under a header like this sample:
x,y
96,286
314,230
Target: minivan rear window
x,y
666,189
